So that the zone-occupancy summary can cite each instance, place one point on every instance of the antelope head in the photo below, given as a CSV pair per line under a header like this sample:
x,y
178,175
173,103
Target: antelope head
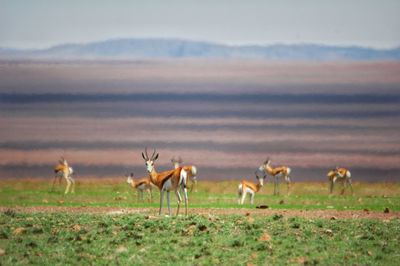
x,y
129,180
149,161
331,173
261,174
63,161
261,180
176,162
267,163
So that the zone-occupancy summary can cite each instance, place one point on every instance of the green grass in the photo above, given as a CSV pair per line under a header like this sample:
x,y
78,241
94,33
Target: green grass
x,y
116,193
136,239
88,239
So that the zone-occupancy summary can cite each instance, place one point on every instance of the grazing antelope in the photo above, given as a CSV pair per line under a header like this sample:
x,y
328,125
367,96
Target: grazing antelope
x,y
166,181
247,187
63,170
339,175
277,173
141,185
58,174
190,169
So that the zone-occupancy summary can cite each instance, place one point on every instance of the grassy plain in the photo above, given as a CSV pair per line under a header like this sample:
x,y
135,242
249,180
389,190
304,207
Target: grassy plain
x,y
218,194
143,238
93,239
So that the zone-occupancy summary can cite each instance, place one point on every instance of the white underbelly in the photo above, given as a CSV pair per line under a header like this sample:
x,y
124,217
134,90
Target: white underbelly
x,y
249,190
141,187
280,174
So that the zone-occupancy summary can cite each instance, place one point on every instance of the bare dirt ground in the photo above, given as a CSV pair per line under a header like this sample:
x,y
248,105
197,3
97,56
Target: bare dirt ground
x,y
309,214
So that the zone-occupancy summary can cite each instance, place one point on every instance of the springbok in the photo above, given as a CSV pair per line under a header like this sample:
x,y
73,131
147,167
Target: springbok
x,y
63,170
58,175
277,173
166,181
247,187
141,185
190,169
342,175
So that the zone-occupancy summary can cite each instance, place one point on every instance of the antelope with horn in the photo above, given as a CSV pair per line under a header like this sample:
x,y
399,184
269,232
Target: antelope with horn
x,y
342,175
63,170
277,173
191,170
167,181
247,187
141,185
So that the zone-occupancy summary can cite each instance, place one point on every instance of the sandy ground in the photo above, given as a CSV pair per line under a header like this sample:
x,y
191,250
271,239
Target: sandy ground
x,y
324,214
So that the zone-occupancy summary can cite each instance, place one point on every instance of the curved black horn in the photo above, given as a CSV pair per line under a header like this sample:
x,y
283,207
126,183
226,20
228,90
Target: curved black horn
x,y
154,152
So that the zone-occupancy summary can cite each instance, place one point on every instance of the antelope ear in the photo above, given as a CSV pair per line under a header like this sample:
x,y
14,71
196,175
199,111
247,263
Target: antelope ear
x,y
144,158
155,158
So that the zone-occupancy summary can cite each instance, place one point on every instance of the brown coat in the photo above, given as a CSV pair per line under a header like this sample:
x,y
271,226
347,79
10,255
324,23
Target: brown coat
x,y
62,168
253,186
278,170
339,172
159,179
145,180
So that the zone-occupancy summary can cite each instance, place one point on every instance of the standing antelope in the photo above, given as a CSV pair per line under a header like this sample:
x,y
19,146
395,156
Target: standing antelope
x,y
166,181
190,169
277,173
250,188
339,175
64,170
141,185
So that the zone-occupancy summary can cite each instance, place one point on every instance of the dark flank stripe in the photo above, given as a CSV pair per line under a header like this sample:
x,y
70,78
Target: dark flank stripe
x,y
205,173
202,97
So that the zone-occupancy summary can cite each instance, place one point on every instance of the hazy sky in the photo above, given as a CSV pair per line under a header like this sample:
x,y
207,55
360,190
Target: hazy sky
x,y
42,23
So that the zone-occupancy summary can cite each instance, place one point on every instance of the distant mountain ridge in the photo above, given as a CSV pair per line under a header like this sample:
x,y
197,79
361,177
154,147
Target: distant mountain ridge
x,y
176,48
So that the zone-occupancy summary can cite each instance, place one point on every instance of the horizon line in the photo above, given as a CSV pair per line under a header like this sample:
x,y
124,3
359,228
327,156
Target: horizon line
x,y
226,44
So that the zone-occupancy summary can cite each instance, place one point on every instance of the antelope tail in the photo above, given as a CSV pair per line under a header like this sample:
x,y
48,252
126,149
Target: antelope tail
x,y
194,171
288,171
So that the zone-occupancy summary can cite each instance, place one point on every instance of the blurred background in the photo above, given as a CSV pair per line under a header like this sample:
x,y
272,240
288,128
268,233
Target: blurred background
x,y
311,85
